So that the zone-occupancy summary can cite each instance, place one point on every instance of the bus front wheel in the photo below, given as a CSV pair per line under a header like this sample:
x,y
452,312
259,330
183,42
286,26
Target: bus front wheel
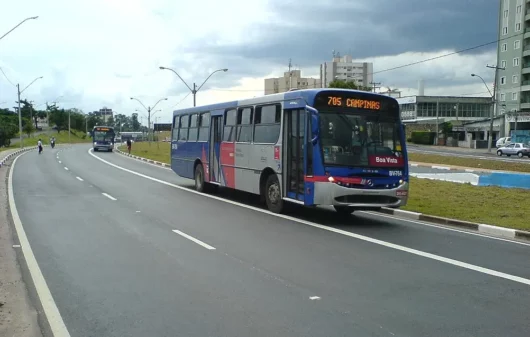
x,y
273,194
199,178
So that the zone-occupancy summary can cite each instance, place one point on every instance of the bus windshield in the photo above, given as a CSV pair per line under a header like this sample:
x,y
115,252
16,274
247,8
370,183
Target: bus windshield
x,y
103,136
360,140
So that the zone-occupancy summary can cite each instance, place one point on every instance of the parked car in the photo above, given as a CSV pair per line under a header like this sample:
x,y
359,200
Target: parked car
x,y
517,149
503,141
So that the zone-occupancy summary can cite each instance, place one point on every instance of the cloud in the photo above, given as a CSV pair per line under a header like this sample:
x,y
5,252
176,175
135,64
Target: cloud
x,y
95,53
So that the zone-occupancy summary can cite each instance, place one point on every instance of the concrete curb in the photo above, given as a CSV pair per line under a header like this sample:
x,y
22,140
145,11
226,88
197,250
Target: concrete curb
x,y
480,228
476,227
456,168
141,158
14,153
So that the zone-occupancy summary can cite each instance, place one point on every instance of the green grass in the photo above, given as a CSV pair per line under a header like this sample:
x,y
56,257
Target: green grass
x,y
159,151
482,204
470,162
489,205
60,138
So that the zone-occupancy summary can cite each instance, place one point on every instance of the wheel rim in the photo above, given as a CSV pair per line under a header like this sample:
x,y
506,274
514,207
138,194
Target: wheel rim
x,y
274,193
520,155
499,153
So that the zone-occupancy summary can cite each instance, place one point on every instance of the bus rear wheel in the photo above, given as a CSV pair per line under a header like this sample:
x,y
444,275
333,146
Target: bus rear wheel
x,y
344,210
273,194
199,178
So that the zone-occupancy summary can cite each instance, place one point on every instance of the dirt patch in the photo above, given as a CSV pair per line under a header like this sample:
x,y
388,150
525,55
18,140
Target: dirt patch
x,y
18,317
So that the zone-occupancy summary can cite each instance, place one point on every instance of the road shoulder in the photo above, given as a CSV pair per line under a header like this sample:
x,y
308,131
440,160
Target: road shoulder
x,y
18,316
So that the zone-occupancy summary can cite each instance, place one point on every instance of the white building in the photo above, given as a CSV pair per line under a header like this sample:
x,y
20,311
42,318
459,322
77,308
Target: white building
x,y
290,80
343,68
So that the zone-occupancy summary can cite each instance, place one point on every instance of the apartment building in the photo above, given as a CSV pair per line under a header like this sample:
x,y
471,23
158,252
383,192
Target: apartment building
x,y
290,80
343,68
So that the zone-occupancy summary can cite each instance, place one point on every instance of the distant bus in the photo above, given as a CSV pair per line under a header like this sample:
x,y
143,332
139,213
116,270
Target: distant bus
x,y
336,147
103,138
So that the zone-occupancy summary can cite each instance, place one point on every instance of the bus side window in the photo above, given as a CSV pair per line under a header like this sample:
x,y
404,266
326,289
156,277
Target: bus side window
x,y
183,129
244,125
193,131
267,120
229,134
204,127
176,128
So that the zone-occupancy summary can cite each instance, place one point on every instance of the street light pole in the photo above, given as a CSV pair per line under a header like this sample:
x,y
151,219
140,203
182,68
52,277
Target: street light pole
x,y
148,109
493,100
12,29
19,110
195,89
494,103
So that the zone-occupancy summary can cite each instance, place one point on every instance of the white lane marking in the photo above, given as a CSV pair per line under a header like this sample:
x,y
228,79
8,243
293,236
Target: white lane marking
x,y
446,228
312,298
16,246
335,230
57,326
137,211
109,196
60,162
79,178
66,168
197,241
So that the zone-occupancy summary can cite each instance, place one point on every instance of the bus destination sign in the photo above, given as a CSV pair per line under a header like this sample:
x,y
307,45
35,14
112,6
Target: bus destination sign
x,y
344,102
102,129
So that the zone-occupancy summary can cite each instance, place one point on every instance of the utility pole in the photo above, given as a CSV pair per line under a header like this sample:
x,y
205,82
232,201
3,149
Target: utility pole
x,y
19,115
375,85
493,103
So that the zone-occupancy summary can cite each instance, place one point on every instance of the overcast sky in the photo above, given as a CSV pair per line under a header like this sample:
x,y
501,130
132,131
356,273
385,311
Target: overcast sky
x,y
95,53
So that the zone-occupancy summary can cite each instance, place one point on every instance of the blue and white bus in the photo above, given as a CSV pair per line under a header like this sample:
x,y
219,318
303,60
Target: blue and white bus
x,y
103,138
335,147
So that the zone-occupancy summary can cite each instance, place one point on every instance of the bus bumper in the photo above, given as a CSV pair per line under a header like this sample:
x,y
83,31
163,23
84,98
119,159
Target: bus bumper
x,y
101,147
334,195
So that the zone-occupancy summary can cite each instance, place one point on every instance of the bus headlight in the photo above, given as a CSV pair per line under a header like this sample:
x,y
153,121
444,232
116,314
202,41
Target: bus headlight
x,y
95,143
401,181
331,179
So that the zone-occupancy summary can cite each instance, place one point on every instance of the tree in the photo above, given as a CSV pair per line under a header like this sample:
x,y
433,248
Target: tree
x,y
59,118
28,128
135,123
342,84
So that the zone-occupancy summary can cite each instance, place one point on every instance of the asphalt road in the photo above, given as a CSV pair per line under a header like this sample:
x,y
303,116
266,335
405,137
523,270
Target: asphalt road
x,y
105,241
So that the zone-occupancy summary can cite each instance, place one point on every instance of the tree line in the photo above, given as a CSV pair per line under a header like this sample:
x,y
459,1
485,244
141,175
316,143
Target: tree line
x,y
58,121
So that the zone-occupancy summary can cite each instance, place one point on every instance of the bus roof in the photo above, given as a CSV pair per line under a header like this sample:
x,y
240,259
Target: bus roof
x,y
296,99
103,126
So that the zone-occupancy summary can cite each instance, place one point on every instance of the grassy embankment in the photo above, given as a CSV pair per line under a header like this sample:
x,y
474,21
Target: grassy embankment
x,y
60,138
489,205
516,166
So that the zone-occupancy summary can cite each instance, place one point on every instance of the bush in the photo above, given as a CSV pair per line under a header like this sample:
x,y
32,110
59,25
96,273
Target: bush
x,y
423,137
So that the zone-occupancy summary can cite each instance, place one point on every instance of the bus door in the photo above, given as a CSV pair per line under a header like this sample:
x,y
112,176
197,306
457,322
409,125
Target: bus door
x,y
216,129
296,130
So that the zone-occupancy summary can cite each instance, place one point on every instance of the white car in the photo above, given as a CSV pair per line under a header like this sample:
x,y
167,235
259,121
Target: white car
x,y
517,149
503,141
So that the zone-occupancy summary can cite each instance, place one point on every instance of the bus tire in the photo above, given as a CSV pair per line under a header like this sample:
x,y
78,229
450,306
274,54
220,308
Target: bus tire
x,y
344,210
273,194
199,178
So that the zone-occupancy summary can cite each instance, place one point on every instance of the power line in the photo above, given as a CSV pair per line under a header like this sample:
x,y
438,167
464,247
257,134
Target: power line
x,y
182,100
448,54
7,78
